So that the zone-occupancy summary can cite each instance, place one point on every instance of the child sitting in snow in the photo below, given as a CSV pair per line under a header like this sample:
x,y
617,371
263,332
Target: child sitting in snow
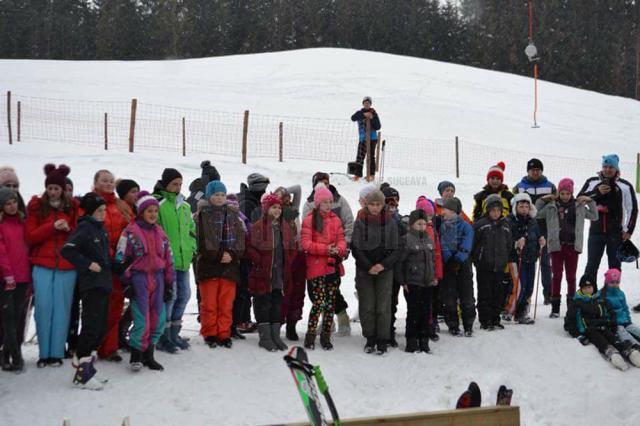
x,y
589,320
615,300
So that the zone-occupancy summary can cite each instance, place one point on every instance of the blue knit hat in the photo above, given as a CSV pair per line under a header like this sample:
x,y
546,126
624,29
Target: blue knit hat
x,y
213,187
611,160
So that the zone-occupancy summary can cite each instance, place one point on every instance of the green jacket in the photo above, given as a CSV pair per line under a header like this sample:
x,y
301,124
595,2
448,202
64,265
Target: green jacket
x,y
175,218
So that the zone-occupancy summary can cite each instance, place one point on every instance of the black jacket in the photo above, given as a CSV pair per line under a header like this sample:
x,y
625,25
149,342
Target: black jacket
x,y
375,240
492,244
618,209
417,263
528,228
89,243
249,203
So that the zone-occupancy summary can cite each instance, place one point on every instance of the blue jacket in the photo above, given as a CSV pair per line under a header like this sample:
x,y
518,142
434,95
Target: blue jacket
x,y
535,189
456,239
617,303
362,128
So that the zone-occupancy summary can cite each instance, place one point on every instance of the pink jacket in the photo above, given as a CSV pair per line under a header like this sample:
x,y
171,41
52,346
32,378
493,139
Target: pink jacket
x,y
14,251
316,245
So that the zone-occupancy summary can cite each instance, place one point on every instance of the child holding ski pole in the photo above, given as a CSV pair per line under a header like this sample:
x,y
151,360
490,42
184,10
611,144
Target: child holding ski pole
x,y
524,254
564,217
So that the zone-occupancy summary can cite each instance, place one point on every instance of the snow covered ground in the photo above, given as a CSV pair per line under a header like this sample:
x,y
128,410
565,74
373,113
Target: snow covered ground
x,y
556,380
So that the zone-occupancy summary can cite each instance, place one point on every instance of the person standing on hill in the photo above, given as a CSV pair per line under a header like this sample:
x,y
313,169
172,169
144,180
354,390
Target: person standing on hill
x,y
361,116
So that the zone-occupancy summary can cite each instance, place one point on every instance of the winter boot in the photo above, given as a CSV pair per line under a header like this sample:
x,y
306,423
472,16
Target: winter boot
x,y
85,375
636,308
166,344
381,346
634,356
42,363
54,362
17,363
325,342
236,334
614,357
370,346
226,343
412,345
275,336
266,341
136,359
174,335
6,360
424,345
310,341
468,332
454,330
392,341
211,341
555,307
344,326
291,331
149,361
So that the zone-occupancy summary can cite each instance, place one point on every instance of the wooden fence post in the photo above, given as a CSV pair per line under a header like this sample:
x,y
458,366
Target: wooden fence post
x,y
280,142
19,118
184,138
457,159
106,137
378,151
245,132
9,116
132,125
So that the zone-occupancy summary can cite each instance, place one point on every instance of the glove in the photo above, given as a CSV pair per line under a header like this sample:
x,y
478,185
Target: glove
x,y
584,340
168,292
129,291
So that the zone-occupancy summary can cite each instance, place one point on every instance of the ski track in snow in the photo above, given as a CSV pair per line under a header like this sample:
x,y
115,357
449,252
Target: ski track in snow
x,y
556,380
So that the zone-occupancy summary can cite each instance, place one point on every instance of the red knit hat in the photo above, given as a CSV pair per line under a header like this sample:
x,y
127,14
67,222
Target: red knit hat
x,y
269,200
56,176
496,171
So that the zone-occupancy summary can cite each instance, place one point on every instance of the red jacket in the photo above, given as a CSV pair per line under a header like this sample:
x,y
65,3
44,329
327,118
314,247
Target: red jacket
x,y
437,252
118,216
316,245
14,251
45,241
259,250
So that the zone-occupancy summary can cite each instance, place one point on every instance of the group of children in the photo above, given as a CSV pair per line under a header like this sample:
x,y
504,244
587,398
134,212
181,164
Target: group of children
x,y
118,242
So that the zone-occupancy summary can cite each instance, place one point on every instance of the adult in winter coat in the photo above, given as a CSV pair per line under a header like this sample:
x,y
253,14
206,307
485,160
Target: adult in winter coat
x,y
221,244
341,208
322,239
367,113
564,218
118,216
50,220
15,278
618,208
528,243
537,185
417,273
198,186
376,247
456,238
87,248
176,221
271,249
495,185
144,253
491,248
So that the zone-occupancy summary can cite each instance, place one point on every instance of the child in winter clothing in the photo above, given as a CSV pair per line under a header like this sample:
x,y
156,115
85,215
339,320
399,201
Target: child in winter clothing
x,y
564,218
491,248
50,220
589,319
456,238
271,249
16,277
417,272
322,239
376,248
495,185
87,248
176,221
524,254
117,217
221,243
144,252
447,191
615,300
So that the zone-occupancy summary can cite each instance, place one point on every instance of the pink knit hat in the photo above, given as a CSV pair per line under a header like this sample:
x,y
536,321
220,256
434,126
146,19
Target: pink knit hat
x,y
8,175
321,194
612,275
425,205
565,184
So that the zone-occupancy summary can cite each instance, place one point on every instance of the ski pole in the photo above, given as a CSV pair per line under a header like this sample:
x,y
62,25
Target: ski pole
x,y
324,389
535,306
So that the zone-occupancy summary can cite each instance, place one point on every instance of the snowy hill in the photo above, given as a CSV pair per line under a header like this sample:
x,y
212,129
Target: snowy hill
x,y
556,380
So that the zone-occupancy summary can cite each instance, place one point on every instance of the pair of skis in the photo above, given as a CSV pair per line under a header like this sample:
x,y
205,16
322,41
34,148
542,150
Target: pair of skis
x,y
472,397
306,377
